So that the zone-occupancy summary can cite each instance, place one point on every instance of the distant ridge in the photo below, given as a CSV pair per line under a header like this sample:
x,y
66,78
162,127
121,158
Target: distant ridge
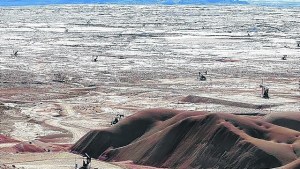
x,y
275,3
166,2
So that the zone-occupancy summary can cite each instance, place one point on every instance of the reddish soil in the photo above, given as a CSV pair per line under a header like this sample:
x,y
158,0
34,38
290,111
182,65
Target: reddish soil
x,y
287,119
293,165
55,138
131,165
191,139
6,139
35,147
26,147
198,99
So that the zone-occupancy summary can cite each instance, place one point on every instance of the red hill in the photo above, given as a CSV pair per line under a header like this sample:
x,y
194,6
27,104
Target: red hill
x,y
191,139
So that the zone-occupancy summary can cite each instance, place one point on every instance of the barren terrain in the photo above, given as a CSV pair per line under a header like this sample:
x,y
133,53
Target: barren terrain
x,y
52,92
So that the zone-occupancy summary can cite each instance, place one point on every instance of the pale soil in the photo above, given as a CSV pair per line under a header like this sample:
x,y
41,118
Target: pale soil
x,y
60,160
53,88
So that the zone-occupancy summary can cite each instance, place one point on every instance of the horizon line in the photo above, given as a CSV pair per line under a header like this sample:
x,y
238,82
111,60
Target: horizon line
x,y
162,3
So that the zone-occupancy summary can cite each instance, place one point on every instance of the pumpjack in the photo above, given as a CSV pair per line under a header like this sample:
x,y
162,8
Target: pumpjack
x,y
117,119
202,77
95,59
284,57
86,163
264,91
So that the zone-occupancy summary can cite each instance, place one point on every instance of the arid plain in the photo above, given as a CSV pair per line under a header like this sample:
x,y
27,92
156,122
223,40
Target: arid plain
x,y
66,70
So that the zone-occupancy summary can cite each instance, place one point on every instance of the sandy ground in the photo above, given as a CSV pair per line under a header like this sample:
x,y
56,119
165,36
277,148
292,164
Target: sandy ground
x,y
49,161
148,57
